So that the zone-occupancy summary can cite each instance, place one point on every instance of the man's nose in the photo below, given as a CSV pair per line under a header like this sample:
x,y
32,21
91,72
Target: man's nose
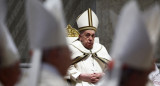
x,y
90,38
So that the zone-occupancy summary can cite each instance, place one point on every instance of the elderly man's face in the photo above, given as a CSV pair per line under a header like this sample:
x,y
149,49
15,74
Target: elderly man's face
x,y
87,38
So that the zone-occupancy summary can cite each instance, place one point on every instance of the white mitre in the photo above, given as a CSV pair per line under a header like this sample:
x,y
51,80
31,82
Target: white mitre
x,y
45,27
8,51
133,42
151,18
55,8
87,21
132,45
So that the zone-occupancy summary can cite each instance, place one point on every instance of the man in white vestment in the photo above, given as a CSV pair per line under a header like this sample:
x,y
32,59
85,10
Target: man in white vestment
x,y
47,37
133,48
155,76
9,56
89,59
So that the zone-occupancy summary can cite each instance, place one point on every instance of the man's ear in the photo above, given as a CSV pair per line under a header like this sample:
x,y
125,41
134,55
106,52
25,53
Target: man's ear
x,y
79,37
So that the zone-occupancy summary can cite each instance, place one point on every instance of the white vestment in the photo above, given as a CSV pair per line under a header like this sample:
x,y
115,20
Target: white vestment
x,y
91,61
155,76
49,76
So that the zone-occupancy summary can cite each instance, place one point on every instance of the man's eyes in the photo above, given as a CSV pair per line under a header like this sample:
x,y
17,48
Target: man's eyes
x,y
87,35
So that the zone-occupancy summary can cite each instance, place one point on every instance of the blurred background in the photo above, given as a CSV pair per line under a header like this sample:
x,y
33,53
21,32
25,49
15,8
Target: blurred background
x,y
16,20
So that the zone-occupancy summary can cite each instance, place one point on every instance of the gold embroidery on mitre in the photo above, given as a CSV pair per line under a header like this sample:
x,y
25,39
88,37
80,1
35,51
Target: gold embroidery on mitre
x,y
72,32
90,17
87,28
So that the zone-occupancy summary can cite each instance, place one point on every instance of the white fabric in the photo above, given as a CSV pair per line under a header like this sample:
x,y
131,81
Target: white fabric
x,y
9,52
35,67
45,27
31,76
24,79
72,39
86,65
131,44
8,49
49,76
111,78
151,18
149,83
155,76
156,80
55,8
154,73
45,30
83,21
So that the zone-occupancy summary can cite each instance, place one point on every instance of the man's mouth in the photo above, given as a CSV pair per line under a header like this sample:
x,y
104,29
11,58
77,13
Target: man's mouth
x,y
90,43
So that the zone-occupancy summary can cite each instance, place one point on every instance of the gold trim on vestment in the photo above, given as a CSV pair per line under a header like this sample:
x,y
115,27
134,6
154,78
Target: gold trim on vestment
x,y
105,61
79,58
86,55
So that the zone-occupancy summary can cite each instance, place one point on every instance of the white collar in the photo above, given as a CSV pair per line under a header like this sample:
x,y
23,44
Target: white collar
x,y
96,47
